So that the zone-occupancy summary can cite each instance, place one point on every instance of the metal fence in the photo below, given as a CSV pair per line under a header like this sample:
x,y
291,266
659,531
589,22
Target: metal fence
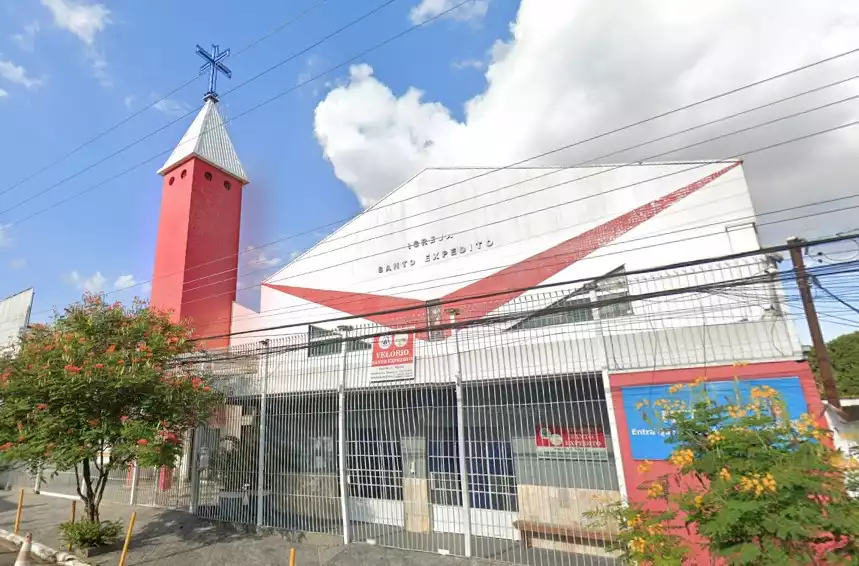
x,y
489,438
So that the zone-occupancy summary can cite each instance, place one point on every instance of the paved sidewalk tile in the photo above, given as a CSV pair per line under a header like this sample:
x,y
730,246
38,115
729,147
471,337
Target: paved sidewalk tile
x,y
173,538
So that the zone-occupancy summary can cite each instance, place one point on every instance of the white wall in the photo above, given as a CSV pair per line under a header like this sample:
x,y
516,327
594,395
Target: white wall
x,y
14,317
547,208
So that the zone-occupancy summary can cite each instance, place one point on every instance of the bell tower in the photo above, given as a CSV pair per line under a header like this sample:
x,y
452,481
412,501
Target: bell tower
x,y
196,255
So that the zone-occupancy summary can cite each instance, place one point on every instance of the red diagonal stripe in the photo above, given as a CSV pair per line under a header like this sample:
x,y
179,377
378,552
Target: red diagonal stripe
x,y
360,304
522,275
540,267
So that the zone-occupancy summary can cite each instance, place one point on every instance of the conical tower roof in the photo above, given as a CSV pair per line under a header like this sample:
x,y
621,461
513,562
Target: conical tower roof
x,y
207,139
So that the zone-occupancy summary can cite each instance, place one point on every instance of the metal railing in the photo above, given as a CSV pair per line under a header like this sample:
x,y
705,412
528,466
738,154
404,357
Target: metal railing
x,y
484,428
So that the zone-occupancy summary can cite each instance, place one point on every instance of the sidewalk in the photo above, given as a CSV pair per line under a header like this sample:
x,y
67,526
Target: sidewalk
x,y
173,538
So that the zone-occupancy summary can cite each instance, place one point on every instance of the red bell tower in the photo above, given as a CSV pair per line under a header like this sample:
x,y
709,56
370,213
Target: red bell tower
x,y
196,256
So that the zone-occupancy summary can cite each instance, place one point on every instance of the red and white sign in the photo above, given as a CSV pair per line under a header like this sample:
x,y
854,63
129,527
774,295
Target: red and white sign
x,y
569,443
393,357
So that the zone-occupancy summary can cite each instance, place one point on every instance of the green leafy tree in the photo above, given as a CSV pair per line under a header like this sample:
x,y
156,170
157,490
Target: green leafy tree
x,y
761,490
844,355
98,388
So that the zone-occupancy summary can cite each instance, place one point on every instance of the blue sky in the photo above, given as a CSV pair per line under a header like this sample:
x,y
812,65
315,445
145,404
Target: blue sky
x,y
499,81
76,79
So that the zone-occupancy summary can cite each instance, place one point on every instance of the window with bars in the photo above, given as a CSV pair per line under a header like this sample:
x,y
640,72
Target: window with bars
x,y
612,290
375,465
491,479
324,342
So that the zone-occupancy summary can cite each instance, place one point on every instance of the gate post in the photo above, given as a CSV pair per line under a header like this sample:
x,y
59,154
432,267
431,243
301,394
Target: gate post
x,y
460,434
196,438
135,479
341,433
261,456
38,487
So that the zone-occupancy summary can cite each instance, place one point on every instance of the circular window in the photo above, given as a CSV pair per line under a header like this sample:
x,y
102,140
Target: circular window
x,y
227,185
183,173
172,179
207,176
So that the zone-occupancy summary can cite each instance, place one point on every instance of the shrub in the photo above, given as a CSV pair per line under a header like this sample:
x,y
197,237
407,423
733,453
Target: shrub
x,y
761,490
88,534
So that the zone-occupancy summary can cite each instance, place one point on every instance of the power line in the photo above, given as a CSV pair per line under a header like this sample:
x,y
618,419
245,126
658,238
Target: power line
x,y
154,103
679,265
832,295
729,92
711,122
150,134
778,144
526,194
397,36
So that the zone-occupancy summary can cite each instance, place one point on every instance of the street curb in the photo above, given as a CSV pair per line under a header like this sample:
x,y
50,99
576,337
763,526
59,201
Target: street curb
x,y
44,552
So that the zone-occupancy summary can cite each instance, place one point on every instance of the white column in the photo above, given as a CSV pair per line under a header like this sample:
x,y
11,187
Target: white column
x,y
262,417
38,487
460,434
196,439
341,434
615,436
135,478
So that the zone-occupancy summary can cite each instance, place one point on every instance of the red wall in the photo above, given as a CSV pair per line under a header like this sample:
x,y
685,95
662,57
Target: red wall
x,y
196,256
718,373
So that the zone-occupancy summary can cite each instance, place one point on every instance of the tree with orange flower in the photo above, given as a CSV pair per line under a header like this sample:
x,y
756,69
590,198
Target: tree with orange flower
x,y
98,388
760,489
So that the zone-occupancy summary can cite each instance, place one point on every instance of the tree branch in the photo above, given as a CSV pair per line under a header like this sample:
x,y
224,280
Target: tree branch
x,y
78,484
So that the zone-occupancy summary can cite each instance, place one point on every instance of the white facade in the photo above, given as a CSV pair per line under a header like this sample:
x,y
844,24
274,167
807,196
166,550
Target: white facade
x,y
14,317
400,251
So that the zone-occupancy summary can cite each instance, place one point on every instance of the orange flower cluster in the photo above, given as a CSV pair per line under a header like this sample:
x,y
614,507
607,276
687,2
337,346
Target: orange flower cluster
x,y
682,458
655,490
758,484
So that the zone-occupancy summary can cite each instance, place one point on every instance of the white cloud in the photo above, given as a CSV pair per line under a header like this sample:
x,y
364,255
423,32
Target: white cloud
x,y
98,64
146,288
26,39
472,11
17,74
570,70
92,284
170,107
80,18
256,257
3,93
17,263
128,101
5,238
124,282
85,21
468,64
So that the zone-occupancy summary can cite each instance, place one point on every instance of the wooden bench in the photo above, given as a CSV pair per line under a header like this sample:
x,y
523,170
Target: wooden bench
x,y
528,529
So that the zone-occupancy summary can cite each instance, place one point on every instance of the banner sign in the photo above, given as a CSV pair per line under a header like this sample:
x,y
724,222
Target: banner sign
x,y
393,357
562,443
649,442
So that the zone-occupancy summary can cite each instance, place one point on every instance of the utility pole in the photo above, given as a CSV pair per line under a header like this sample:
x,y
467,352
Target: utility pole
x,y
824,364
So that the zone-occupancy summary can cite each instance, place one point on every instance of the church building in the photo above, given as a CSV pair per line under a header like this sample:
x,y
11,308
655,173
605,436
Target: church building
x,y
458,367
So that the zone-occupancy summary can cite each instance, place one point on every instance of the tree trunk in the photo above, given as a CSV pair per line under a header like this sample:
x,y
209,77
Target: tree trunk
x,y
87,493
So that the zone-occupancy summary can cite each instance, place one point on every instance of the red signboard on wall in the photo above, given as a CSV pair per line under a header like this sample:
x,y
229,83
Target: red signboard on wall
x,y
570,443
393,357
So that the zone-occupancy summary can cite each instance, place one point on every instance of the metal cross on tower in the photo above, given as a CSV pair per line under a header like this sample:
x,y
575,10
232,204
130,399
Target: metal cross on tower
x,y
214,66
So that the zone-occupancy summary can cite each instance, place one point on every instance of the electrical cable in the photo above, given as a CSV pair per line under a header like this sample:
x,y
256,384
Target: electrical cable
x,y
155,102
416,26
150,134
680,265
747,153
526,194
565,182
832,295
